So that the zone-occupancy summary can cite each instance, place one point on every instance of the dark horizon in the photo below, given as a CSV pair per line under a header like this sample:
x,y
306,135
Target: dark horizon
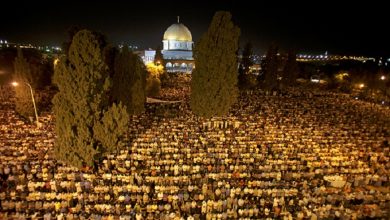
x,y
311,28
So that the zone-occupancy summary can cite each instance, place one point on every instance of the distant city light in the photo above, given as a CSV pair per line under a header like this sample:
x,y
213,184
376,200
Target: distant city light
x,y
383,77
361,85
383,102
356,98
315,80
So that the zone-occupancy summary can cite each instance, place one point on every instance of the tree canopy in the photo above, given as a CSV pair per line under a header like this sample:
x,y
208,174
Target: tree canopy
x,y
153,81
23,77
270,68
214,81
245,64
158,58
86,125
129,81
291,69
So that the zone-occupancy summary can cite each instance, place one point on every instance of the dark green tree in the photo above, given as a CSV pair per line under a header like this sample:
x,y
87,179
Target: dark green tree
x,y
23,77
270,68
100,37
245,64
41,69
110,54
214,81
153,86
7,59
164,77
46,71
291,69
158,58
72,30
86,125
129,81
153,79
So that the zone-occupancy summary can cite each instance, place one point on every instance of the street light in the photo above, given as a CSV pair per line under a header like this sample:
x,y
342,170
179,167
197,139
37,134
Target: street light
x,y
383,77
33,100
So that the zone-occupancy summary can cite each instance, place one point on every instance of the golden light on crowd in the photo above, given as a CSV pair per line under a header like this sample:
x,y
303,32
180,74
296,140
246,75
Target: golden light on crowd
x,y
56,61
341,76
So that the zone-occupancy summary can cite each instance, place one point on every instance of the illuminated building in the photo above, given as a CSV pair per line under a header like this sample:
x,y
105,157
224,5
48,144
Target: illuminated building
x,y
325,57
177,49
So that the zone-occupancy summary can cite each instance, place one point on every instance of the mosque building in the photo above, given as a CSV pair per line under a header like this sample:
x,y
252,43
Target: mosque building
x,y
177,49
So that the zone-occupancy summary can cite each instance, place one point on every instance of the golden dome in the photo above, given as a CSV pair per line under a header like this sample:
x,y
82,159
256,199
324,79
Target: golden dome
x,y
178,32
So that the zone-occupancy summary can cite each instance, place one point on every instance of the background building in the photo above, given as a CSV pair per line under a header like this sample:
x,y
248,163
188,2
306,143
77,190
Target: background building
x,y
177,49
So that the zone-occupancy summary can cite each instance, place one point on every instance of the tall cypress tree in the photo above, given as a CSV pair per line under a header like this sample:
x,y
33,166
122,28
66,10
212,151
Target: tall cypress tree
x,y
86,125
129,81
214,81
23,75
164,77
291,69
158,58
270,68
246,60
245,64
72,30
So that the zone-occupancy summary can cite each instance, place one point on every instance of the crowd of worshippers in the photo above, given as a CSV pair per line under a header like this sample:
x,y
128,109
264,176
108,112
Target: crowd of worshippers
x,y
298,155
174,94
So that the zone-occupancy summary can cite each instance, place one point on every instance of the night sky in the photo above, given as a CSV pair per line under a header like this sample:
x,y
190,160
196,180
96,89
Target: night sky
x,y
359,29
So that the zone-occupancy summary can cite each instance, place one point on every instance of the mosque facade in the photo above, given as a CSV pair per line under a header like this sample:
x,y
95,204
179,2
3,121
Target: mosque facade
x,y
177,49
